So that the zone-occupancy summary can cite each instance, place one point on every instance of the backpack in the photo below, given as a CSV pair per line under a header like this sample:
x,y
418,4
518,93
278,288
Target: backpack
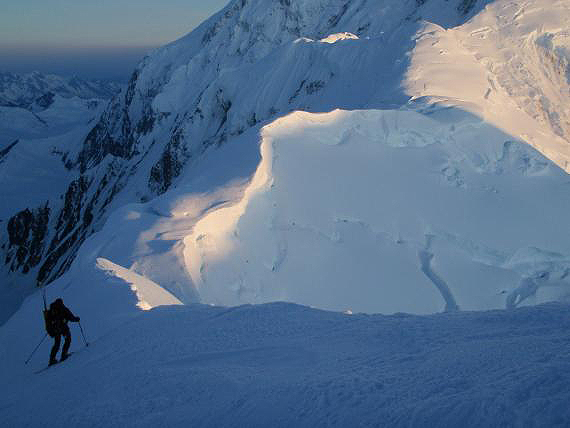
x,y
50,323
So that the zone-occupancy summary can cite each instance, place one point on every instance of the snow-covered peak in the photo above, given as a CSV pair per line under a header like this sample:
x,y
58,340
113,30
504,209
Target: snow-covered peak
x,y
245,32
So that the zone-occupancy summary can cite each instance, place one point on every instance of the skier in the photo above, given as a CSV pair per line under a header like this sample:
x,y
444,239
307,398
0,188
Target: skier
x,y
57,318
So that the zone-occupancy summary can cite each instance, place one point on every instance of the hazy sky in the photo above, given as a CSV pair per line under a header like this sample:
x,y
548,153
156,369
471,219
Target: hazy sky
x,y
96,38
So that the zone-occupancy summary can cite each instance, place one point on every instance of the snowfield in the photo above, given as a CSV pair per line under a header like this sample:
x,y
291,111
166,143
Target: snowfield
x,y
285,365
36,106
509,65
64,115
363,210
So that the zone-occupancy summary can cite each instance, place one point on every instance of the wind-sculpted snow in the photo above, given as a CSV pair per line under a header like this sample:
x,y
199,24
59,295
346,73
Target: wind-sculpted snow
x,y
357,156
509,65
277,364
375,211
285,365
148,293
359,210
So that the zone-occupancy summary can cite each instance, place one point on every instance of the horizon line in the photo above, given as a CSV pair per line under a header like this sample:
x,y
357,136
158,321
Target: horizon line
x,y
63,47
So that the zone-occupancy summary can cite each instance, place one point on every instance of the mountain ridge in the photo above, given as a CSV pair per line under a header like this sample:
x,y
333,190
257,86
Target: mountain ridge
x,y
36,90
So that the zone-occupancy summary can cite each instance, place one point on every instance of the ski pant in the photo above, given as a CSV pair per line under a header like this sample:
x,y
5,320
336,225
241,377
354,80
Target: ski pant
x,y
57,340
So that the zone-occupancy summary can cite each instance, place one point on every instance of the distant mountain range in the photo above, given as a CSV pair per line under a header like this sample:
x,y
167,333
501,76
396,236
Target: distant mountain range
x,y
38,90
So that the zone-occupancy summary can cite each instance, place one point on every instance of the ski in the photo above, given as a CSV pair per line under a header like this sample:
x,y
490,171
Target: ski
x,y
52,365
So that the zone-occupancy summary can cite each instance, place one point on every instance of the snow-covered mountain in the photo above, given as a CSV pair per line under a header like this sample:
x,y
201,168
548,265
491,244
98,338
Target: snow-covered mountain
x,y
353,155
286,365
421,193
35,105
43,122
60,117
36,90
509,65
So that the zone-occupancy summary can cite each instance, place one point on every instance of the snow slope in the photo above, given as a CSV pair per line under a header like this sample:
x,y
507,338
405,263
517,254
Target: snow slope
x,y
357,210
285,365
277,364
374,211
509,65
36,149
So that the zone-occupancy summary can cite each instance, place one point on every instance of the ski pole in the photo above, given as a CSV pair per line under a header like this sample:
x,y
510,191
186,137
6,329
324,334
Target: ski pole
x,y
83,334
34,351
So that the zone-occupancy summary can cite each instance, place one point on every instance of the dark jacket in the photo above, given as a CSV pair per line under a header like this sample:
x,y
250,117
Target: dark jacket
x,y
61,315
